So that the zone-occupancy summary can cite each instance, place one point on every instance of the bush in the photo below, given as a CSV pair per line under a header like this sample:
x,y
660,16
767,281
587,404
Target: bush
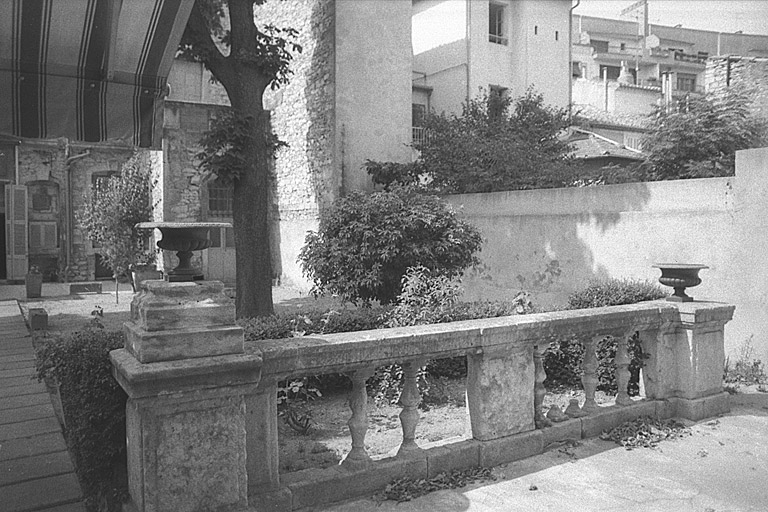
x,y
614,292
94,409
496,143
312,321
366,243
563,359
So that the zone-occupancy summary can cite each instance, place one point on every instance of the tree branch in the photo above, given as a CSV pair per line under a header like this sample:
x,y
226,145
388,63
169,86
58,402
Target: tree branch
x,y
197,41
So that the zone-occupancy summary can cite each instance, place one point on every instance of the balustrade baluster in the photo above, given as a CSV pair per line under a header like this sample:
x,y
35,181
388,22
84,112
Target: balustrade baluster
x,y
409,399
622,369
539,391
589,379
358,423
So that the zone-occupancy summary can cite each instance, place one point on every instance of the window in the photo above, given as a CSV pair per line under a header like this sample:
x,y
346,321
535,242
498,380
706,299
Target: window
x,y
7,162
496,26
623,46
686,82
418,112
576,69
599,46
613,72
219,199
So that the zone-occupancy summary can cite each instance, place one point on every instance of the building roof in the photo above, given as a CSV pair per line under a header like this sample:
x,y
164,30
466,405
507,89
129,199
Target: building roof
x,y
588,145
595,116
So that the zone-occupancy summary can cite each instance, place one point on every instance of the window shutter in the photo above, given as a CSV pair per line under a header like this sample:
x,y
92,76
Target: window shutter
x,y
16,231
50,239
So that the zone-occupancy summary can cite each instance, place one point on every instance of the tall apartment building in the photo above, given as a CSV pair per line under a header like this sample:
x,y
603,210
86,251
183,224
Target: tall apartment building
x,y
461,46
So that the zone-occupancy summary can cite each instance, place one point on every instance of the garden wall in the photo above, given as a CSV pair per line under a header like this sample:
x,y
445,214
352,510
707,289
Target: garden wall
x,y
552,242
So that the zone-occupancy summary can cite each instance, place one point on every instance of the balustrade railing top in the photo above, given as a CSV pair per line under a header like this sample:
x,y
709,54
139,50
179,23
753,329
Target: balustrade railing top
x,y
319,354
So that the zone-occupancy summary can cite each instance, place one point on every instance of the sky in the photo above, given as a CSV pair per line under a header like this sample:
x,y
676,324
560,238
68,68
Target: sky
x,y
750,16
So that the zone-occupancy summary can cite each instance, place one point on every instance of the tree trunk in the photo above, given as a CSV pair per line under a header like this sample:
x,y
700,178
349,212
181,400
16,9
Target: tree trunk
x,y
250,208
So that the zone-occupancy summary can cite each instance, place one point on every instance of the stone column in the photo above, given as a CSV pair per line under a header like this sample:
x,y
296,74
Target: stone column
x,y
500,382
186,376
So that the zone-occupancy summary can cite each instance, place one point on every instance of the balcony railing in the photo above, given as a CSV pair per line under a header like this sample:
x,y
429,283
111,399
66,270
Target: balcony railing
x,y
235,396
419,135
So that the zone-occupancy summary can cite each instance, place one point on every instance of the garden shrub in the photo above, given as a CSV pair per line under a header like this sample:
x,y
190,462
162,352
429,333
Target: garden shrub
x,y
94,409
366,242
563,359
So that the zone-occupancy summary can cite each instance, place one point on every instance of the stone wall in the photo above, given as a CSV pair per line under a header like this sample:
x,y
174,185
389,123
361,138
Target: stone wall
x,y
303,111
749,74
621,231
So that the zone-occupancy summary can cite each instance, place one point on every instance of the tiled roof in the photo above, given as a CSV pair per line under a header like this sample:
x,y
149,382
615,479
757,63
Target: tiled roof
x,y
595,115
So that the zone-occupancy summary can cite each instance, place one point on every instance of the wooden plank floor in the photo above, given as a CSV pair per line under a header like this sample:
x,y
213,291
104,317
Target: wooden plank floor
x,y
36,473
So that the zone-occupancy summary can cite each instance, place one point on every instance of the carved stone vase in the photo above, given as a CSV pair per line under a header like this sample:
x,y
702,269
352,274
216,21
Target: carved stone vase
x,y
184,238
680,276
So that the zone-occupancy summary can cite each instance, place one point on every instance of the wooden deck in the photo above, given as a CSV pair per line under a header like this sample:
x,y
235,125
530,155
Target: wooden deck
x,y
36,472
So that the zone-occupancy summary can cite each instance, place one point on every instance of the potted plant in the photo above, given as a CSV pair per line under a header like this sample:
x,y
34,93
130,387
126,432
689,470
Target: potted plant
x,y
34,282
144,270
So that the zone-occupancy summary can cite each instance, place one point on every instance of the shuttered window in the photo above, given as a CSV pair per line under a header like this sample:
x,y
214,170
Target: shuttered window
x,y
43,236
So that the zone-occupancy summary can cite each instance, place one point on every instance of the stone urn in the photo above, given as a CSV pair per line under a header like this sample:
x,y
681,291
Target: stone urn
x,y
680,276
184,238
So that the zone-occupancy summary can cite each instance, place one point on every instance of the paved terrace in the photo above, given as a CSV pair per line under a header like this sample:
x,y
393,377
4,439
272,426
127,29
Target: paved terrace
x,y
722,466
36,473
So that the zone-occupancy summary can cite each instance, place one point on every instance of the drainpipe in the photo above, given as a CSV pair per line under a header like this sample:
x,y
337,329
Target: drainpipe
x,y
469,49
68,164
570,57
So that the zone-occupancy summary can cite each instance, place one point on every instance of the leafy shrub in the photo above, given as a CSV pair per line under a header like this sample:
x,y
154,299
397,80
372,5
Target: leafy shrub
x,y
388,174
94,408
496,143
563,359
614,292
700,136
312,321
366,243
746,369
427,297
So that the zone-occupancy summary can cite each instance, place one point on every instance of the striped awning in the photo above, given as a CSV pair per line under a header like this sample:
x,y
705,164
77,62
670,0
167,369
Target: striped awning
x,y
88,70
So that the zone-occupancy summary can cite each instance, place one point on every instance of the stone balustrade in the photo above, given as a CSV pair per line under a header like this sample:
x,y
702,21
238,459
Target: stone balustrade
x,y
202,429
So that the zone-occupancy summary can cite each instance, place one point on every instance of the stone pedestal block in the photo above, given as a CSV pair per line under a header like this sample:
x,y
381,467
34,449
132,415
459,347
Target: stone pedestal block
x,y
686,355
187,381
175,321
499,391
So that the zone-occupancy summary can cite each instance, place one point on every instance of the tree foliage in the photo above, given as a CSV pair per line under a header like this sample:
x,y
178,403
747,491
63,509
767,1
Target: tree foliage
x,y
110,214
496,143
700,136
246,57
366,243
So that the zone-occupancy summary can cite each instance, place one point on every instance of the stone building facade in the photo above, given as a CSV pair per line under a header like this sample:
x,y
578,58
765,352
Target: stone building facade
x,y
749,74
348,100
56,176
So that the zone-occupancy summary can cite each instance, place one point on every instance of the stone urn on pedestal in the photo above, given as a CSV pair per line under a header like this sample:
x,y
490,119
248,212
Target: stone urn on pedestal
x,y
184,238
680,276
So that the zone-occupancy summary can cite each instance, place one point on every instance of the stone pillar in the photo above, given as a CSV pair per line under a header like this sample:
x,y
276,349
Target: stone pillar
x,y
500,382
187,377
687,355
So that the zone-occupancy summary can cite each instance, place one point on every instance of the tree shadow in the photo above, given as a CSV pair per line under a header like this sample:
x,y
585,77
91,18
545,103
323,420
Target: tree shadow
x,y
542,241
